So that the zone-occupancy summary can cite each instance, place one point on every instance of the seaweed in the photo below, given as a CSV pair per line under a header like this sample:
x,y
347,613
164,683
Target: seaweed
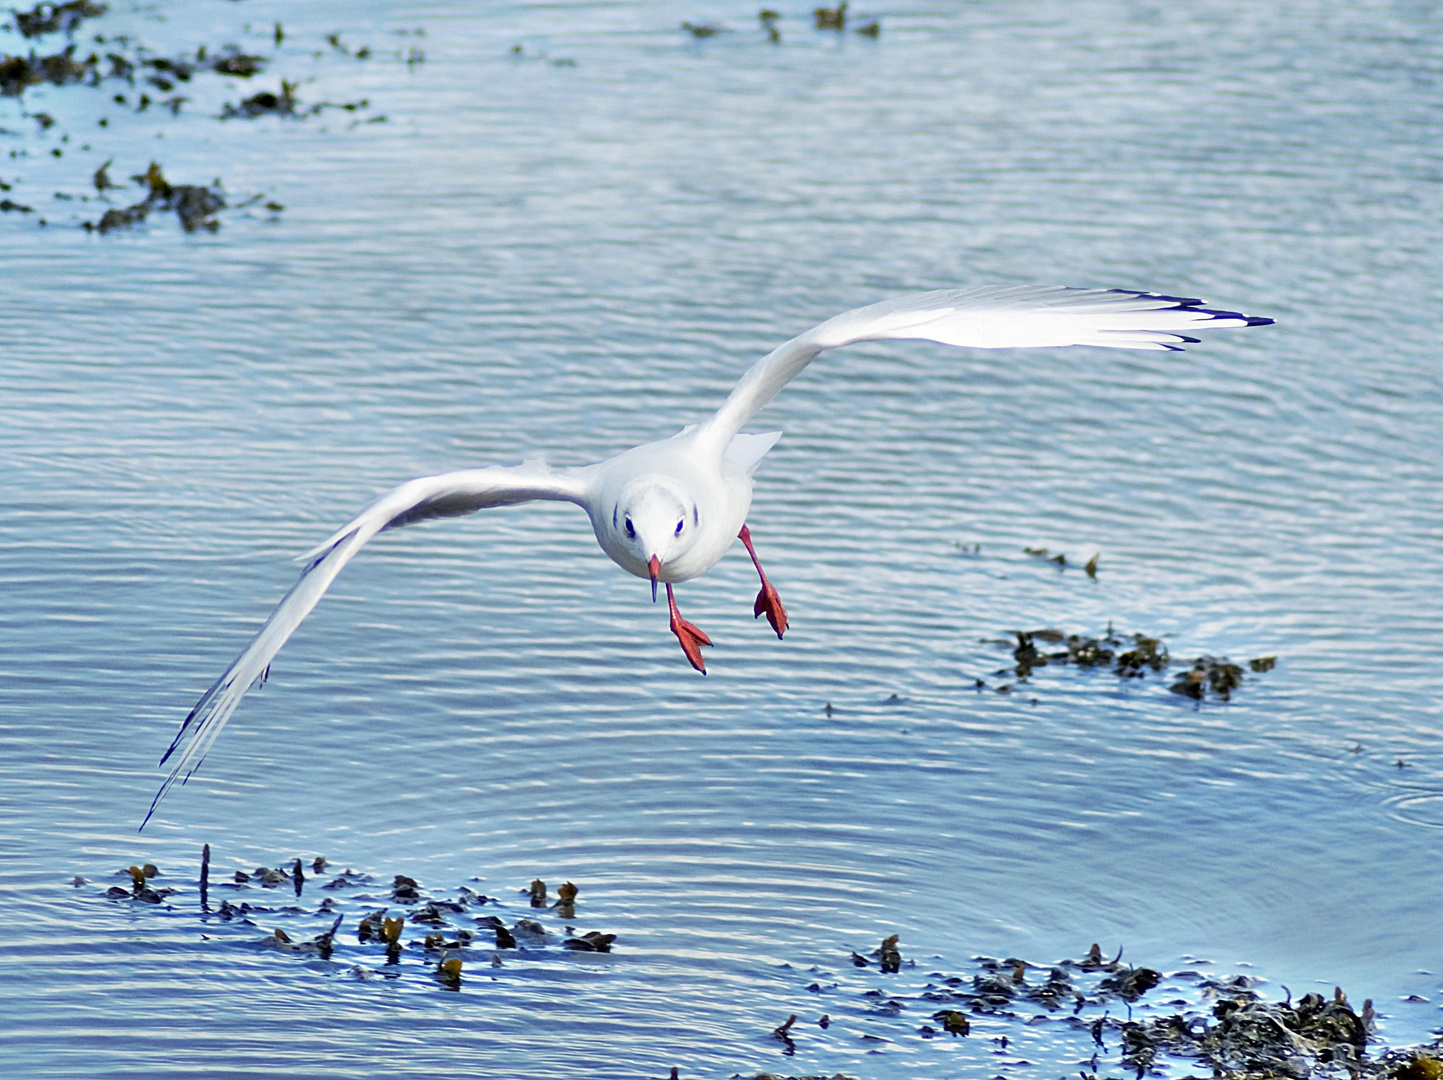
x,y
264,103
831,18
1129,1016
1130,657
18,73
50,18
194,204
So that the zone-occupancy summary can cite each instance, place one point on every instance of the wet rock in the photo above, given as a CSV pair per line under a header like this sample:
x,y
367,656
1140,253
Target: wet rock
x,y
594,941
405,890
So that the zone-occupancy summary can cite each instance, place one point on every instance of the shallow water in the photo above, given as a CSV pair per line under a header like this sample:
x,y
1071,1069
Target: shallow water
x,y
533,258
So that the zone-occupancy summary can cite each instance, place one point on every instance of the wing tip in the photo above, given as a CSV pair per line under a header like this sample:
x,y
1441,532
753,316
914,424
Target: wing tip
x,y
1194,304
1144,294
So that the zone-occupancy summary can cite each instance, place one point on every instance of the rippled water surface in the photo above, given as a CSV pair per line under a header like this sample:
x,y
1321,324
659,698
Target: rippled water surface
x,y
568,249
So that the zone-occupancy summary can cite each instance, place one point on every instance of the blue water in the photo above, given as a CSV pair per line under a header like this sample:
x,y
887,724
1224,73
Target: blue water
x,y
532,258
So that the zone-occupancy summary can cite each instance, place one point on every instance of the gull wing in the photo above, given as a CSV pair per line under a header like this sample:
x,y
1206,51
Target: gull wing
x,y
447,495
988,317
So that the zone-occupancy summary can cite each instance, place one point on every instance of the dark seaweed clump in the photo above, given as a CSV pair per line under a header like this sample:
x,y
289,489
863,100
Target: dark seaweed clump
x,y
1216,1023
19,72
50,18
1130,657
194,204
453,930
1126,1018
122,58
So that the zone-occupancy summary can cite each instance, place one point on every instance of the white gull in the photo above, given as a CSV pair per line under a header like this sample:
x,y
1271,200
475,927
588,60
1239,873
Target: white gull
x,y
669,510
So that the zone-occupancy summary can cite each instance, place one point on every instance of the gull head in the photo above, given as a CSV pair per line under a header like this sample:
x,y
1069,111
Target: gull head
x,y
656,522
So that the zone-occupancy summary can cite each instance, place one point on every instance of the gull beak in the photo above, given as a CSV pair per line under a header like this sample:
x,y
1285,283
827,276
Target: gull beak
x,y
655,567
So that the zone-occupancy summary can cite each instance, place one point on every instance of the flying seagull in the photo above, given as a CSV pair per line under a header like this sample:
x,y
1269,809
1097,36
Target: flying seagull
x,y
667,511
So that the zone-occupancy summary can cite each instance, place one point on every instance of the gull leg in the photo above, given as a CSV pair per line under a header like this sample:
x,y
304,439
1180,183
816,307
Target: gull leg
x,y
767,600
690,636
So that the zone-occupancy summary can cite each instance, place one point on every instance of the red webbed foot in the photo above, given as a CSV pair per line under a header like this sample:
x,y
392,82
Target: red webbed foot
x,y
691,636
770,603
767,600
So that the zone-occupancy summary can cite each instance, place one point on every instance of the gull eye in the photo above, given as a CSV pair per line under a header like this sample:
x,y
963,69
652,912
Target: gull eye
x,y
679,525
630,529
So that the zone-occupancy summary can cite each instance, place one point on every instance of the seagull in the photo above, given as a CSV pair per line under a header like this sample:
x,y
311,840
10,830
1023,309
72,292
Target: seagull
x,y
667,511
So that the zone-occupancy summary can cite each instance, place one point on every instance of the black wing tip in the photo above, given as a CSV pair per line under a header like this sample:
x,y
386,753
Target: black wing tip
x,y
1144,294
1191,302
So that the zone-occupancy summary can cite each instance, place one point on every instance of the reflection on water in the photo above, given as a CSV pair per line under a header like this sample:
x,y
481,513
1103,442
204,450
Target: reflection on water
x,y
531,258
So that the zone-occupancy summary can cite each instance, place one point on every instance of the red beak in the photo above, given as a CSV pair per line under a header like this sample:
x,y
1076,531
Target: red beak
x,y
655,567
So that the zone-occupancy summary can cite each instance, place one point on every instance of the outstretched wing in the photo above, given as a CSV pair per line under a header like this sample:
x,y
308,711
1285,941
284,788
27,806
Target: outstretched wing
x,y
447,495
989,317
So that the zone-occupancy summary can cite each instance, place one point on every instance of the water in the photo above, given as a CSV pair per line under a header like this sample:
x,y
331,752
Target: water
x,y
529,258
